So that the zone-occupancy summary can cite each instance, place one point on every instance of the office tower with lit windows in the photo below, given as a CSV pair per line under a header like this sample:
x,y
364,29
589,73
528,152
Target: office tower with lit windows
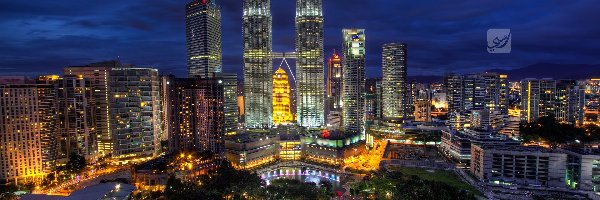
x,y
76,133
530,100
134,112
230,109
194,113
309,63
282,112
27,131
563,100
548,98
334,85
491,100
98,74
453,87
576,107
504,94
474,92
481,91
203,38
394,82
258,85
353,80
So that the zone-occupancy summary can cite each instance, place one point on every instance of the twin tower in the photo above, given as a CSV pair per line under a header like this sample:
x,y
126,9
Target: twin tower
x,y
258,70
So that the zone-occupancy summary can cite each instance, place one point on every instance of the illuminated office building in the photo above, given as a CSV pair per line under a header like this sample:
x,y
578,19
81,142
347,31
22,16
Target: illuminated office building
x,y
194,113
309,63
282,113
134,112
98,74
353,80
231,109
75,130
203,38
257,25
530,100
504,93
453,86
547,97
334,84
27,131
480,91
395,102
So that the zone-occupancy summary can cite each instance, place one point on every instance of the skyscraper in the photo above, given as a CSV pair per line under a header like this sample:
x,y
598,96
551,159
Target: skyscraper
x,y
193,108
232,113
353,80
98,74
309,64
548,97
76,133
134,112
530,100
453,86
282,112
203,37
394,82
258,85
27,131
334,84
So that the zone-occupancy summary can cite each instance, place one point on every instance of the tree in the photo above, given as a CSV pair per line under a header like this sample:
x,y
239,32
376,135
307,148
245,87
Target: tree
x,y
294,189
548,130
395,185
76,162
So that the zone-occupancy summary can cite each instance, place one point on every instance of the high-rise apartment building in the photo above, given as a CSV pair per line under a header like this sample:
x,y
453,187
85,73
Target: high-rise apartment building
x,y
474,92
353,80
563,99
395,94
257,25
282,111
530,100
203,38
75,128
98,74
470,92
453,87
27,131
334,85
548,98
134,112
309,63
504,94
232,113
194,113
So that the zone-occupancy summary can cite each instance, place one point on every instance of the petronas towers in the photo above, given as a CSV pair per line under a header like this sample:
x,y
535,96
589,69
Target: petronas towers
x,y
258,85
310,83
258,55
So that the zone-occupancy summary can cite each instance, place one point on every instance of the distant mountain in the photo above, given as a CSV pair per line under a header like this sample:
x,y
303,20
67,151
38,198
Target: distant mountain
x,y
539,70
556,71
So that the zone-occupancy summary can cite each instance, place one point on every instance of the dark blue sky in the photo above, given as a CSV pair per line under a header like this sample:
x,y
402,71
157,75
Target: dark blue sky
x,y
443,36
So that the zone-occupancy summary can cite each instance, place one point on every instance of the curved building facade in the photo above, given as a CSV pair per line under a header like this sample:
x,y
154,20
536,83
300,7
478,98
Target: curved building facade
x,y
282,112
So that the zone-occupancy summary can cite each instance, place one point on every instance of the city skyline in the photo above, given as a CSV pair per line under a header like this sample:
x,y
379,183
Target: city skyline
x,y
443,42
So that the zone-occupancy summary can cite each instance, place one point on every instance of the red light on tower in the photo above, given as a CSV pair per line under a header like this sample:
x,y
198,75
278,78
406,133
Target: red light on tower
x,y
204,2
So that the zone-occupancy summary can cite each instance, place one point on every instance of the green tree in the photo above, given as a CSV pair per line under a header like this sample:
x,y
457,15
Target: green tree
x,y
549,131
76,162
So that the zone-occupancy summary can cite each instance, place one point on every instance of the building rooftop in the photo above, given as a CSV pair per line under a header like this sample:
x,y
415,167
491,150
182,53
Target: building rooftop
x,y
518,148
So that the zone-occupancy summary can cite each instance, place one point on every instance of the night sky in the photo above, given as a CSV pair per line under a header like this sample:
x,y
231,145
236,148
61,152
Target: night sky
x,y
41,37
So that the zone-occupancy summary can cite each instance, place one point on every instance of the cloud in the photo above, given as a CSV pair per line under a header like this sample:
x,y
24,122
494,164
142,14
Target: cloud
x,y
442,36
